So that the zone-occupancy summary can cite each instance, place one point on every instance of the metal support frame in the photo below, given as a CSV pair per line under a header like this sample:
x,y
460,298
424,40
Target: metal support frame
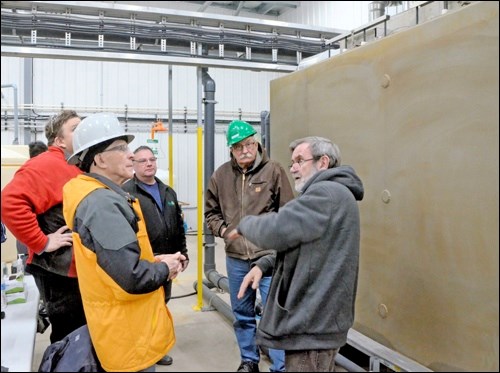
x,y
72,29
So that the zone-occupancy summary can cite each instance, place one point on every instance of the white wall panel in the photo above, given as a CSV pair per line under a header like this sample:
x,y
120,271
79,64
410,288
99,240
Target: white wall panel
x,y
334,14
92,84
71,83
184,81
245,90
12,73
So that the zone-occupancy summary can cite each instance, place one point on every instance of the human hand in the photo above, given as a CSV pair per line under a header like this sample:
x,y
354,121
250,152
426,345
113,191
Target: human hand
x,y
234,234
252,277
173,262
223,230
184,264
59,239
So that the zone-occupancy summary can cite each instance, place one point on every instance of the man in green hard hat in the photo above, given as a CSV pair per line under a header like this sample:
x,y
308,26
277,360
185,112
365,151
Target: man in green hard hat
x,y
248,184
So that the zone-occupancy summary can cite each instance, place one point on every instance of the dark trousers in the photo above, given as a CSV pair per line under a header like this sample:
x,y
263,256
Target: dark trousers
x,y
62,299
168,291
310,360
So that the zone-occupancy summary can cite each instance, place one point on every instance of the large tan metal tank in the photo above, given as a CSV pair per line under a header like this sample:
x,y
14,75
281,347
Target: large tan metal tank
x,y
416,114
13,156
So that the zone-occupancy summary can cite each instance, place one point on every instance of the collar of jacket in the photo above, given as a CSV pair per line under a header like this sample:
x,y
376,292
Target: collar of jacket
x,y
116,188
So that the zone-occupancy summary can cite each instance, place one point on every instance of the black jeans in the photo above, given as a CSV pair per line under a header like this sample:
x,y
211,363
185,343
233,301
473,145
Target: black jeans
x,y
62,299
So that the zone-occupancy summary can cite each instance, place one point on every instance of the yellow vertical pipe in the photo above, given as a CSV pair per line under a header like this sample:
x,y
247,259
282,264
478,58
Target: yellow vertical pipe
x,y
199,285
170,160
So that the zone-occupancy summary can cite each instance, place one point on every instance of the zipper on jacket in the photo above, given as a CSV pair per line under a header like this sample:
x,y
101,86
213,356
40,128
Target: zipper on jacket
x,y
241,210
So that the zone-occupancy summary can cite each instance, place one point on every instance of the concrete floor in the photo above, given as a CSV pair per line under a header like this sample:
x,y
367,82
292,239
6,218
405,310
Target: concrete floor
x,y
205,338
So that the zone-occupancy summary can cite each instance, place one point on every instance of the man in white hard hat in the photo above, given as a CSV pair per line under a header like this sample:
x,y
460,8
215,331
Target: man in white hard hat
x,y
121,281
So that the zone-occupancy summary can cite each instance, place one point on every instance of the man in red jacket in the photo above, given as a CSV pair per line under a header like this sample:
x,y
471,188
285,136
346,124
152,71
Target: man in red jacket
x,y
32,211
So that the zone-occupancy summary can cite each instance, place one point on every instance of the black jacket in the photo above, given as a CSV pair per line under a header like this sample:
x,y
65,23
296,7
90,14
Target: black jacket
x,y
74,353
165,229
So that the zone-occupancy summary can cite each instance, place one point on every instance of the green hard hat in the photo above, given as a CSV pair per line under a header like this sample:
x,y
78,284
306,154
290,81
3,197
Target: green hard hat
x,y
239,130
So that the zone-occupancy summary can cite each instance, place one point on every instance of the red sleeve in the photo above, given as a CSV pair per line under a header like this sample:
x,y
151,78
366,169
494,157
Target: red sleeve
x,y
34,189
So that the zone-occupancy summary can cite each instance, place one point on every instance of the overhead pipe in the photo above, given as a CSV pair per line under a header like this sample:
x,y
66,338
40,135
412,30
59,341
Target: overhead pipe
x,y
16,118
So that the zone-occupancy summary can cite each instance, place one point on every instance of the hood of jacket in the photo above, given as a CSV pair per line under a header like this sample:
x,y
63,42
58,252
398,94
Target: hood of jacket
x,y
344,175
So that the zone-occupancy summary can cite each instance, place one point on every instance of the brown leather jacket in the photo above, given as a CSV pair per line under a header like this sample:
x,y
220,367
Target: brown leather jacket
x,y
232,194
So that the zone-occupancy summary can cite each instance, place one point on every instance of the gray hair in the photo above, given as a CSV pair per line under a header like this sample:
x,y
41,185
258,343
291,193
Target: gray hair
x,y
320,146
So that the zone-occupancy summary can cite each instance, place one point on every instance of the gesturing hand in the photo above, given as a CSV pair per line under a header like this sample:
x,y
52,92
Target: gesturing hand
x,y
252,277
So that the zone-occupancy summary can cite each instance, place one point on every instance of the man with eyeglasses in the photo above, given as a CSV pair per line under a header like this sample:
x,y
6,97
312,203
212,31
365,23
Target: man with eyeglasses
x,y
248,184
120,278
32,209
162,213
310,306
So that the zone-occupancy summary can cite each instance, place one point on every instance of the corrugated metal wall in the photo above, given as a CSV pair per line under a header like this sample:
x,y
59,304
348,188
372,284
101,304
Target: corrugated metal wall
x,y
112,85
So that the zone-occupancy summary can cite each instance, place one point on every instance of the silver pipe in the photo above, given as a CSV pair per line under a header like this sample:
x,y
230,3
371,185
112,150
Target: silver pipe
x,y
218,280
209,103
215,301
265,131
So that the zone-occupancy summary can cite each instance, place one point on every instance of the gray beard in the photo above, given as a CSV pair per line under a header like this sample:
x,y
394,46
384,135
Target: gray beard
x,y
299,186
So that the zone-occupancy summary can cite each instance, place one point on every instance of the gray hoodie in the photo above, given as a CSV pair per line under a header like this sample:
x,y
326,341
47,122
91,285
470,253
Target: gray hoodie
x,y
311,301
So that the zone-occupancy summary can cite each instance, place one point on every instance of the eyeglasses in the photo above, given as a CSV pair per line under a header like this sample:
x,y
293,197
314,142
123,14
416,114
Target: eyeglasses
x,y
239,147
121,148
144,160
300,162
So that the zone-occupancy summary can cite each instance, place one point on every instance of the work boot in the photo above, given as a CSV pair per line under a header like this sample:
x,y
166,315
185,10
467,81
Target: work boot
x,y
165,360
248,366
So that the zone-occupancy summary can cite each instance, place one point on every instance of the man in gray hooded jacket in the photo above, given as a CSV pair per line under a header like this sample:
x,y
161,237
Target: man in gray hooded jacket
x,y
310,306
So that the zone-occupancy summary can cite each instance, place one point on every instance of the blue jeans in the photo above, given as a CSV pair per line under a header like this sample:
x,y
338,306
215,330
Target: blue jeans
x,y
245,324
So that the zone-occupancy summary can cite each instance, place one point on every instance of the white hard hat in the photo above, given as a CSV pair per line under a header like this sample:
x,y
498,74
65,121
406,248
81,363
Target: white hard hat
x,y
93,130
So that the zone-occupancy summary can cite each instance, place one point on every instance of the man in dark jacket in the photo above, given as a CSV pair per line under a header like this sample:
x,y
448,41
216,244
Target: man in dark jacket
x,y
162,213
310,306
249,184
